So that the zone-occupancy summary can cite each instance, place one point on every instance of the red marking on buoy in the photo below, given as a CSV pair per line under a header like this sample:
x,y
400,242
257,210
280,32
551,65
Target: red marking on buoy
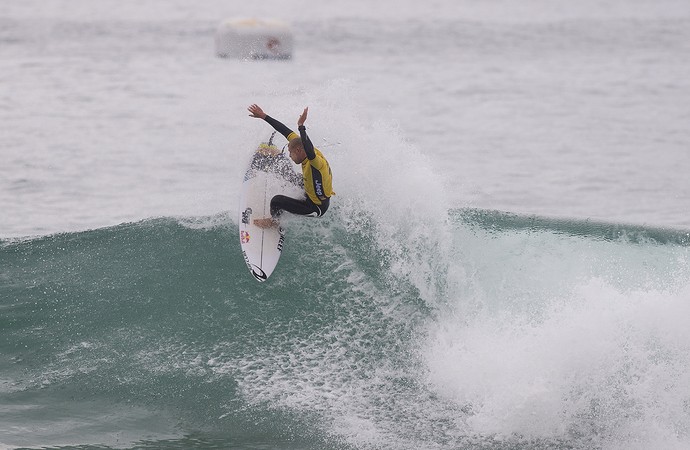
x,y
272,44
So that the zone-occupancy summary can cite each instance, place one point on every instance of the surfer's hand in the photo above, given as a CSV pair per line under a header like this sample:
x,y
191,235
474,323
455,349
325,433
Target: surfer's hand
x,y
256,111
303,117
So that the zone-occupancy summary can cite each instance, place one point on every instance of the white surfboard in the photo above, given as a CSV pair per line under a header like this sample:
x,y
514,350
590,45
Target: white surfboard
x,y
269,173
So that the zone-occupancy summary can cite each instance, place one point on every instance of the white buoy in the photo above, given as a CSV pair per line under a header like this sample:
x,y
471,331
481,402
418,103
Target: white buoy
x,y
254,39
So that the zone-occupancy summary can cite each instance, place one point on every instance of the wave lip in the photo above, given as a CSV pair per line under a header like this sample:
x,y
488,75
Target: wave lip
x,y
505,221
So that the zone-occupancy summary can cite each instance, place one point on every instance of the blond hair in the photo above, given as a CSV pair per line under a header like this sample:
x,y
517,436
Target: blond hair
x,y
295,143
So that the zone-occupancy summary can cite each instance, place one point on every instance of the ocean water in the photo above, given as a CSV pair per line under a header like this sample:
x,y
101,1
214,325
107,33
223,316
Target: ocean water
x,y
505,264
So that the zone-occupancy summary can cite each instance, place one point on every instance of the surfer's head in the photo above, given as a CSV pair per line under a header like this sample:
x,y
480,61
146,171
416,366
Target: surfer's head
x,y
296,149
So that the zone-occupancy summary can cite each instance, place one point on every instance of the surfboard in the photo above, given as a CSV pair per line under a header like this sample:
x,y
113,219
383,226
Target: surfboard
x,y
269,173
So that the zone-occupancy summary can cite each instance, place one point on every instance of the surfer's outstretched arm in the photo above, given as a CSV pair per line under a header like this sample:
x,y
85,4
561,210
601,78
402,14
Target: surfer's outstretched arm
x,y
306,142
259,113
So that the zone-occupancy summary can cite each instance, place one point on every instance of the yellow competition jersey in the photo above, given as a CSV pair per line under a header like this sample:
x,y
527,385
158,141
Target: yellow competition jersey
x,y
318,179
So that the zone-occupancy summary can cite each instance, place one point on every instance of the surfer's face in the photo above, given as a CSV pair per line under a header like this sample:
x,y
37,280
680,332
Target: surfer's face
x,y
297,153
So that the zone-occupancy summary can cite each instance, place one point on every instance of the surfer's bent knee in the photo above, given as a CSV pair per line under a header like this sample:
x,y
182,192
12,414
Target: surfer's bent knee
x,y
305,207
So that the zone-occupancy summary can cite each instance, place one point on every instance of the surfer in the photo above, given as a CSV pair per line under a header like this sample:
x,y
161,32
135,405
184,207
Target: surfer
x,y
316,173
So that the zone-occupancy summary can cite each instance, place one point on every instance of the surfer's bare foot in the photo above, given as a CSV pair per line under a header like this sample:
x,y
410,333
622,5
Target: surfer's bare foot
x,y
265,223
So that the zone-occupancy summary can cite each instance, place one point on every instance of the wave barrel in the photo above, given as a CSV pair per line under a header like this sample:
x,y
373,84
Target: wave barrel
x,y
254,39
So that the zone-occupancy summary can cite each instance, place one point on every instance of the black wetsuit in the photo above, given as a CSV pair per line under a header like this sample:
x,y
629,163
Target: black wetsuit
x,y
316,174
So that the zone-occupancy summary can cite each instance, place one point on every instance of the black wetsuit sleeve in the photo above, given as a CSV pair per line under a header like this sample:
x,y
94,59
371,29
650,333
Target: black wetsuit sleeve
x,y
306,142
279,127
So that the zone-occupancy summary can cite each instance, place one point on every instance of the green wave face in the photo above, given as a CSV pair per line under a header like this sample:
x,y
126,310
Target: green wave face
x,y
486,330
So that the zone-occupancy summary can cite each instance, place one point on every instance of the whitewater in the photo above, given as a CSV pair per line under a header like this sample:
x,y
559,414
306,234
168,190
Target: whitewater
x,y
505,264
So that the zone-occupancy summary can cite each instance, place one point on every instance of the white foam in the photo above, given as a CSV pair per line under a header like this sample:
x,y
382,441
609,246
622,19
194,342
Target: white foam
x,y
570,354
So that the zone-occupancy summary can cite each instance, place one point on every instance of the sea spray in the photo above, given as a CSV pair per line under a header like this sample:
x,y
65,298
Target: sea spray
x,y
567,339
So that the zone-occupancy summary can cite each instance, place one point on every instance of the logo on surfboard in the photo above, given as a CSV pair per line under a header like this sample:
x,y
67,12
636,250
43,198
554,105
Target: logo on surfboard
x,y
258,273
281,240
244,237
246,214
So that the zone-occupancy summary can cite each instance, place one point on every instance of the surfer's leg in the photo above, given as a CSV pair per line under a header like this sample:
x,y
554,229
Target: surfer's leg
x,y
281,203
303,207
